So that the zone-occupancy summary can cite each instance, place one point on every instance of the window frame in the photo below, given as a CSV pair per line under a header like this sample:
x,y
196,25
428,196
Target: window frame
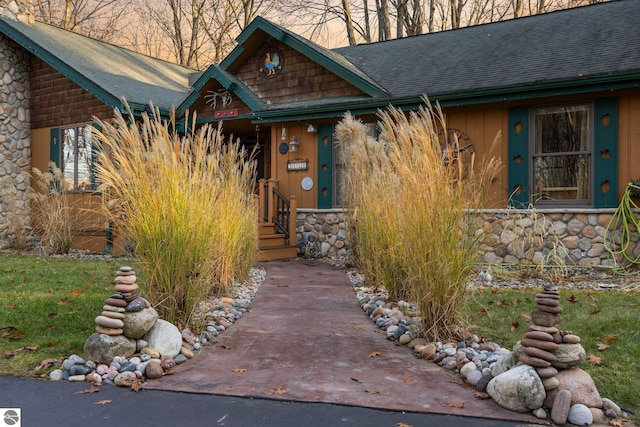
x,y
561,203
86,130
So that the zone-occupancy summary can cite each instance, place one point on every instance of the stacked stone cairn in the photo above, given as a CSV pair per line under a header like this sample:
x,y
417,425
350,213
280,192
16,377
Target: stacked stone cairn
x,y
547,374
127,299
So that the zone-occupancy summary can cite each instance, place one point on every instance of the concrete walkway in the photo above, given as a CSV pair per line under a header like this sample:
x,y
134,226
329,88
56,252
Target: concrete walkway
x,y
307,339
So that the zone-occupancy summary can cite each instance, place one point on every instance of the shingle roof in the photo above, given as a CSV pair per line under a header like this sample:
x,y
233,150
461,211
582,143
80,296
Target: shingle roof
x,y
590,41
108,72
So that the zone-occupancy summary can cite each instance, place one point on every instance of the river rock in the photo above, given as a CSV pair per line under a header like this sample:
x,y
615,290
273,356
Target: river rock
x,y
550,383
125,379
103,348
116,302
125,289
137,304
113,314
128,279
580,415
608,404
502,365
547,372
164,337
571,339
109,322
137,324
569,355
543,345
580,384
538,335
544,318
519,389
153,370
560,407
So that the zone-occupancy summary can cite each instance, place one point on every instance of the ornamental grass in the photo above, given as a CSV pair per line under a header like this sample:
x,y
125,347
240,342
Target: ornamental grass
x,y
412,201
186,204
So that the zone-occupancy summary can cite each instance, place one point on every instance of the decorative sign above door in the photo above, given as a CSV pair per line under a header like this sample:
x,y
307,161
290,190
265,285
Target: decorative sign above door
x,y
270,62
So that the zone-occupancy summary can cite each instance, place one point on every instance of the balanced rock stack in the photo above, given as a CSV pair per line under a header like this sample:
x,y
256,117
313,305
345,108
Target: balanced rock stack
x,y
127,299
542,338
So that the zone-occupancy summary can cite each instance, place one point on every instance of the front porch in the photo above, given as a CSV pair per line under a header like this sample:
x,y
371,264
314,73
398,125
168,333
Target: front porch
x,y
277,218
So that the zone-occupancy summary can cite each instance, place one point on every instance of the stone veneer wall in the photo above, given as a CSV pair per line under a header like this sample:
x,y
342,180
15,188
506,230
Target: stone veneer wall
x,y
510,236
15,128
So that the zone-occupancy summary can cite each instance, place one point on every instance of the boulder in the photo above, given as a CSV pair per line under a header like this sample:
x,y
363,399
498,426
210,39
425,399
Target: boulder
x,y
138,323
518,389
580,384
165,338
103,348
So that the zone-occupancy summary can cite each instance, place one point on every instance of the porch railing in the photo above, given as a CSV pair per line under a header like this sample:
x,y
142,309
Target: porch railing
x,y
274,208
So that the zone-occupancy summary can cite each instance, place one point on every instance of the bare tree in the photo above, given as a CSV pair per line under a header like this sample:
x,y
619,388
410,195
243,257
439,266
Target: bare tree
x,y
100,19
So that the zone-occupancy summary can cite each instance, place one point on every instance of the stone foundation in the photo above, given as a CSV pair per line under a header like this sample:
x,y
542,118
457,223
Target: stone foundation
x,y
571,237
323,233
15,150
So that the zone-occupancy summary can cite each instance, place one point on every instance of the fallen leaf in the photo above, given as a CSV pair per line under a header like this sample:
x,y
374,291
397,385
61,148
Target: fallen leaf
x,y
484,312
594,360
502,303
76,292
616,422
8,328
240,370
52,314
572,299
64,301
403,425
515,302
408,380
610,338
226,347
602,346
46,363
514,326
372,391
278,390
10,305
375,354
31,347
11,353
87,287
455,405
93,389
526,317
494,291
482,395
102,402
17,335
169,372
595,311
136,387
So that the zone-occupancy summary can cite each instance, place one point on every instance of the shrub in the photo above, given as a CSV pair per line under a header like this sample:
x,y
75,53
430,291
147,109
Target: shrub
x,y
412,204
185,202
51,210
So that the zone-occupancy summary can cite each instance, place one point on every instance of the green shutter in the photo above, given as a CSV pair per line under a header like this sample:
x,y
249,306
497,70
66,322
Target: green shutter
x,y
606,153
325,166
518,164
54,146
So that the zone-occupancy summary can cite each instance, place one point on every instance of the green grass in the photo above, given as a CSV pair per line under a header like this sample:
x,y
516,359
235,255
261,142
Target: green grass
x,y
48,307
597,317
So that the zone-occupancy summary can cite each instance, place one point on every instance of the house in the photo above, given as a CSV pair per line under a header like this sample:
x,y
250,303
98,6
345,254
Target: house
x,y
563,89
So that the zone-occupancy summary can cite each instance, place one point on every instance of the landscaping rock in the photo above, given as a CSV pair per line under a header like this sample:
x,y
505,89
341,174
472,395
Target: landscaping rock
x,y
560,407
164,337
569,355
103,348
580,415
519,389
580,384
138,323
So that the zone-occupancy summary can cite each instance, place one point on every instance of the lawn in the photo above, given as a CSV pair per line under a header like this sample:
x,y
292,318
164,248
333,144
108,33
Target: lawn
x,y
607,322
48,306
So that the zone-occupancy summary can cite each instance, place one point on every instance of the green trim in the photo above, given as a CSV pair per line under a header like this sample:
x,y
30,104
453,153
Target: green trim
x,y
518,160
507,94
312,52
325,166
229,82
605,152
32,47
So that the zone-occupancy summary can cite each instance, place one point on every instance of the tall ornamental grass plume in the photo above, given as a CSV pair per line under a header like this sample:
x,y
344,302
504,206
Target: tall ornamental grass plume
x,y
411,202
52,212
186,203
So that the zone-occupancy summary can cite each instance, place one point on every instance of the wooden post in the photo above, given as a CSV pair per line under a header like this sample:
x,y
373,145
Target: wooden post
x,y
271,200
261,202
293,220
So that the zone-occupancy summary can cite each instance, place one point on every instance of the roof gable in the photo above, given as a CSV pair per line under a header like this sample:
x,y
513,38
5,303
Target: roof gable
x,y
106,71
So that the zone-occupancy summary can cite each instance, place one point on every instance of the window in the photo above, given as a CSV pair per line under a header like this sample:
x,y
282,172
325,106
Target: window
x,y
76,157
562,148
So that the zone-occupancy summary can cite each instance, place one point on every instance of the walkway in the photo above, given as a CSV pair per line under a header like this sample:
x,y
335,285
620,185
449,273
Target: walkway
x,y
307,339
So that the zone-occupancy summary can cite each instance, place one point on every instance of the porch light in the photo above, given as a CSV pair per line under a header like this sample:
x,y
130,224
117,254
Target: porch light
x,y
294,144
